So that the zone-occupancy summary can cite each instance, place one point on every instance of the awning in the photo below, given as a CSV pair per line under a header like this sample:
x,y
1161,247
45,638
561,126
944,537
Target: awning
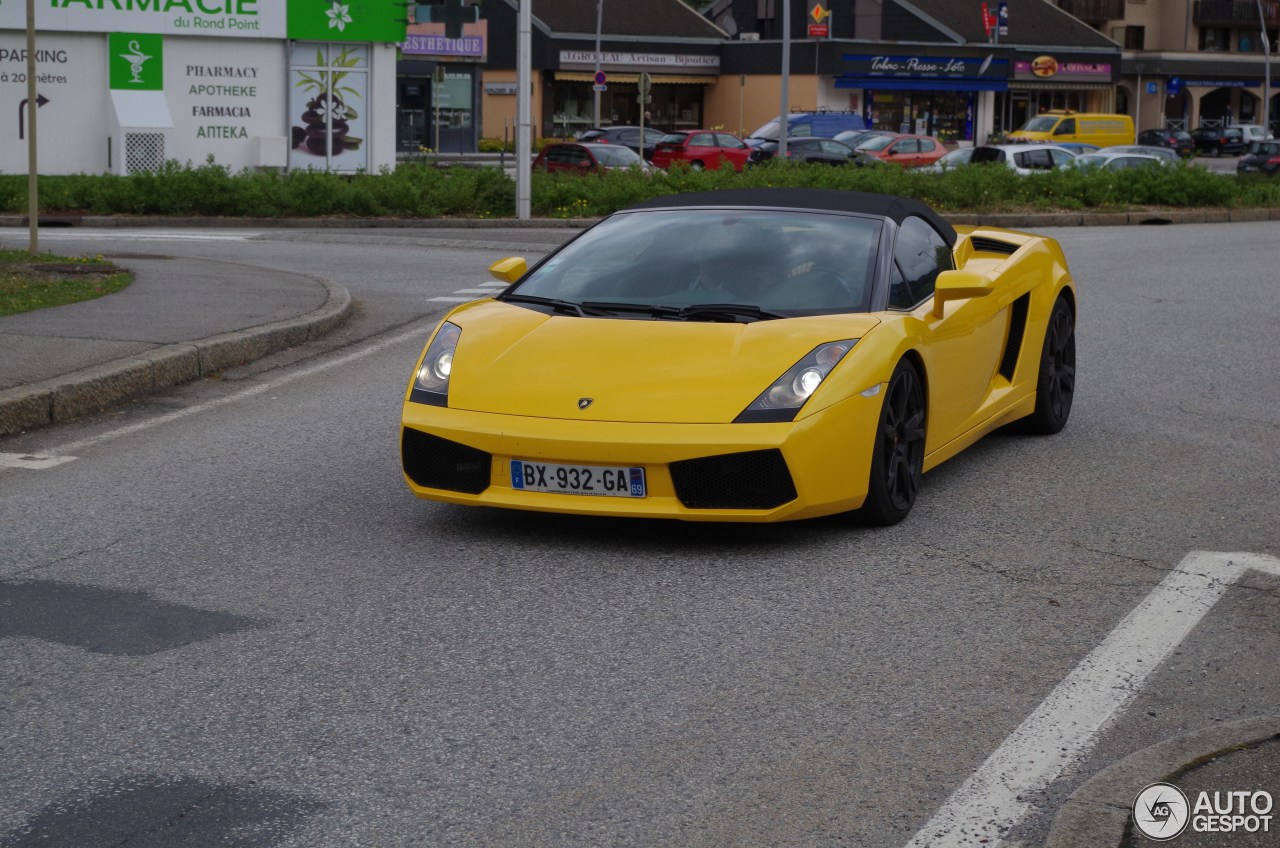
x,y
656,79
909,84
1060,86
141,109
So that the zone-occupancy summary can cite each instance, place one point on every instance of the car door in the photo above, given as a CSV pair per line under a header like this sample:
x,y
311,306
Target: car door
x,y
964,345
834,153
734,149
903,152
701,151
928,154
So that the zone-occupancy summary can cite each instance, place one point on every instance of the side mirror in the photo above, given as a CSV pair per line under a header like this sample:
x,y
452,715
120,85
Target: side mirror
x,y
509,270
958,285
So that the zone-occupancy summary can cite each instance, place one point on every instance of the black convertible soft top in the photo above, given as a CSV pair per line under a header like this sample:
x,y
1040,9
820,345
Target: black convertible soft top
x,y
861,202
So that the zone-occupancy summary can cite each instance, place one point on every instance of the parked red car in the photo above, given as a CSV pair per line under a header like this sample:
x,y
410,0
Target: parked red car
x,y
909,151
701,149
586,158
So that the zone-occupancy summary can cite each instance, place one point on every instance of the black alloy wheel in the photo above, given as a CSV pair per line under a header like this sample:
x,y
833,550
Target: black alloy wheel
x,y
1056,386
897,461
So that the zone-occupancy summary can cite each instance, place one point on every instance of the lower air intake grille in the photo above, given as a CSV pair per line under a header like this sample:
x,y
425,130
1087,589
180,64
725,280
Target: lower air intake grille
x,y
750,480
441,464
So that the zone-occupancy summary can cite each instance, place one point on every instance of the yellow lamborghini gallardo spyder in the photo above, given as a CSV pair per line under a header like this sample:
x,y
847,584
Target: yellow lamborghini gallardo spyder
x,y
744,355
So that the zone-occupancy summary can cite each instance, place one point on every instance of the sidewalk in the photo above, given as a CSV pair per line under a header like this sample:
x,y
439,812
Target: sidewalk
x,y
178,321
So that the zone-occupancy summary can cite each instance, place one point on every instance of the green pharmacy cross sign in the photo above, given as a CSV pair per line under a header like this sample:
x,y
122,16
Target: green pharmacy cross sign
x,y
136,61
452,13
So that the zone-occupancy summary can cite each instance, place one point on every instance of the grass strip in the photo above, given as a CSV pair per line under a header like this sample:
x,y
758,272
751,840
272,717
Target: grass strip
x,y
35,282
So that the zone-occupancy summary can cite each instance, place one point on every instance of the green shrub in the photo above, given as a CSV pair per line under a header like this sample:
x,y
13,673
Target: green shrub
x,y
427,189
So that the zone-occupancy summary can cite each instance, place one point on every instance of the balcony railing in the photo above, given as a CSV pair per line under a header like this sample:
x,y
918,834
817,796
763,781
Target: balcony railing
x,y
1235,13
1094,11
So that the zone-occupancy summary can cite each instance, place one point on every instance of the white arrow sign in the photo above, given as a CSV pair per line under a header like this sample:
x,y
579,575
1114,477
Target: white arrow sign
x,y
1063,728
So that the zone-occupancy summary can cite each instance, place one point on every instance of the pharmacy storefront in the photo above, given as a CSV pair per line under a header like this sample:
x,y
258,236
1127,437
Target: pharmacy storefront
x,y
126,85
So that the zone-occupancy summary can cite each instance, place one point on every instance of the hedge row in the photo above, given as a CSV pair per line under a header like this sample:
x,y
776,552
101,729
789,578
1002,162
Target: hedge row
x,y
422,190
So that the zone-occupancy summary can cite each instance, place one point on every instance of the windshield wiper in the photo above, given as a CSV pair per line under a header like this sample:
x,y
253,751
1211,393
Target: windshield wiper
x,y
582,310
731,310
655,310
693,312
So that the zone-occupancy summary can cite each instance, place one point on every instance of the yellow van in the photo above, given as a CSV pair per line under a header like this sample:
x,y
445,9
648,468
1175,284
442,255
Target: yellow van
x,y
1086,127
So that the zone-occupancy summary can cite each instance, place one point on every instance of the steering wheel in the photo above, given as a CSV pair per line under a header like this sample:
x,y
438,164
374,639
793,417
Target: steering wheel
x,y
823,280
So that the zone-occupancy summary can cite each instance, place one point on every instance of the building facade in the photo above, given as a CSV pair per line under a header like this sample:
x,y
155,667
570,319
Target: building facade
x,y
1192,62
127,85
930,66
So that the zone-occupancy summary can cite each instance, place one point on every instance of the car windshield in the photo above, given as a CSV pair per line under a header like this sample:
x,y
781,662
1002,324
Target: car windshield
x,y
986,155
674,138
769,131
1041,124
1092,160
673,264
617,156
876,142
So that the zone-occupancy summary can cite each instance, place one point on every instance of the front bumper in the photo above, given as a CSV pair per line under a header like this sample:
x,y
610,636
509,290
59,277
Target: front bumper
x,y
827,456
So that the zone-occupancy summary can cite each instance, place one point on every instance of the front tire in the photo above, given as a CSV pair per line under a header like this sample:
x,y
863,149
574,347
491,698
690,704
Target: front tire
x,y
1056,384
897,459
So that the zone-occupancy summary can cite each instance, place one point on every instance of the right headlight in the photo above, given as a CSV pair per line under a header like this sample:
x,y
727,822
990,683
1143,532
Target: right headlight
x,y
431,383
782,400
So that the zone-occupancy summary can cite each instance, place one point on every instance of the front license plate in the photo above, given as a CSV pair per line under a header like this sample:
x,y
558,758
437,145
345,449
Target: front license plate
x,y
605,480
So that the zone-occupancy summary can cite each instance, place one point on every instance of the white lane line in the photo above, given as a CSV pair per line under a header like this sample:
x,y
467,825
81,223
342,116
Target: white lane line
x,y
493,285
1064,727
417,332
451,299
474,291
33,461
80,235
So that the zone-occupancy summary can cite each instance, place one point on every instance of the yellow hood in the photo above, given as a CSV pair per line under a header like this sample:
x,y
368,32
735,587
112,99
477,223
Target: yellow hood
x,y
516,361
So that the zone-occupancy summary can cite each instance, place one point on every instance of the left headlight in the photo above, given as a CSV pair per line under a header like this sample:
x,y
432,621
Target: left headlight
x,y
782,400
431,383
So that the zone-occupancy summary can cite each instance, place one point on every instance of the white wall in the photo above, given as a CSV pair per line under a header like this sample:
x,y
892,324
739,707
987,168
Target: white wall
x,y
253,98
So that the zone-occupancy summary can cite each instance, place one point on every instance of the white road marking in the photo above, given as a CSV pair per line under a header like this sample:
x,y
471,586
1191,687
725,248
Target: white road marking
x,y
416,332
451,299
98,235
1064,727
474,291
34,461
493,285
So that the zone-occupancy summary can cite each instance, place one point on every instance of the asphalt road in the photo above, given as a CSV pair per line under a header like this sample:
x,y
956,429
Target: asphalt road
x,y
238,626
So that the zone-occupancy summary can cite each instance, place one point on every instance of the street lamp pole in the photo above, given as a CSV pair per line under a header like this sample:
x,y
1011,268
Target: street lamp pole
x,y
524,122
1266,66
783,122
595,109
33,181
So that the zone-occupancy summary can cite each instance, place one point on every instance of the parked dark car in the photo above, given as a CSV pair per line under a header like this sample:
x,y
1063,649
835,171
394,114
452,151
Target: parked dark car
x,y
586,157
1263,157
1215,141
627,136
1179,140
813,150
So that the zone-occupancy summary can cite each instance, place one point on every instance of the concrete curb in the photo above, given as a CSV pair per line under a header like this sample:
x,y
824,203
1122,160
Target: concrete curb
x,y
94,388
107,221
1010,220
1097,814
